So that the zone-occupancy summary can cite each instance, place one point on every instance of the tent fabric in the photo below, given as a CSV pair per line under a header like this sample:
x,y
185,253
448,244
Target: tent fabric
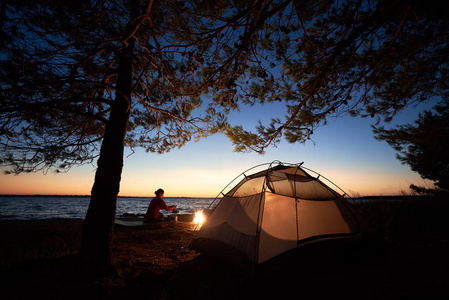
x,y
273,211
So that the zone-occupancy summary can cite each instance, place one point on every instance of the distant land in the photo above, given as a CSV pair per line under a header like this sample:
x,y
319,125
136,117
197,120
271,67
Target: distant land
x,y
53,195
42,195
371,197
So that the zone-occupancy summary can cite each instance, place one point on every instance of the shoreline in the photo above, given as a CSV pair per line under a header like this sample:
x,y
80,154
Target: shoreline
x,y
42,207
88,196
39,260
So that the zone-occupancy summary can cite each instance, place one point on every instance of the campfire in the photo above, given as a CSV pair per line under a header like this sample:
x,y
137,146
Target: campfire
x,y
199,218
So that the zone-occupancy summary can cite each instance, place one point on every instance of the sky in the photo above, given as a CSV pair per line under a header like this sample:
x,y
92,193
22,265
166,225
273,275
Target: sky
x,y
344,151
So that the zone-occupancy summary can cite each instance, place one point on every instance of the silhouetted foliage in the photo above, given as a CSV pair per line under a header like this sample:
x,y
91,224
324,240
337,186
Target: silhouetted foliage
x,y
423,146
80,80
337,58
323,59
60,65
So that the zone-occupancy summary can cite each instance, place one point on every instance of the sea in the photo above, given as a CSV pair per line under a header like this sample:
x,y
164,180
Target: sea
x,y
52,207
13,207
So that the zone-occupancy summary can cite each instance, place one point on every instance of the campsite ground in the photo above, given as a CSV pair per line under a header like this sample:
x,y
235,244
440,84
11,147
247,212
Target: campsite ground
x,y
38,260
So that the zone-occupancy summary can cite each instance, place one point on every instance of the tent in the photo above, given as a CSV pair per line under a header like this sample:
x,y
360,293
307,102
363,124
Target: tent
x,y
273,211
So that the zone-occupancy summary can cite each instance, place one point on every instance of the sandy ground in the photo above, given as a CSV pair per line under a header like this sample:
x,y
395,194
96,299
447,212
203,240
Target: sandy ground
x,y
38,260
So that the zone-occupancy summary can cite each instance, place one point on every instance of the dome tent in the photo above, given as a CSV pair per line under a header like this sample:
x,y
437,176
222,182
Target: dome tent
x,y
273,211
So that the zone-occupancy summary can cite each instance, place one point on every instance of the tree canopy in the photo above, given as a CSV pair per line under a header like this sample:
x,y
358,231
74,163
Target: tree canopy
x,y
336,58
59,70
423,146
81,80
321,58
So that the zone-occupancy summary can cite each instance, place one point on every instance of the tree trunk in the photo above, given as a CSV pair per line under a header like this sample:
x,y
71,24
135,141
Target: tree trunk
x,y
98,227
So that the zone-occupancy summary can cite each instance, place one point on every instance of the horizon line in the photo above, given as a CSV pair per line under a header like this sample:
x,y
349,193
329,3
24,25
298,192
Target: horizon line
x,y
74,195
189,197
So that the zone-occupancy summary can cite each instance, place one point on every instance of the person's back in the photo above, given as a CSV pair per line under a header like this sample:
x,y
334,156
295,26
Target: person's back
x,y
156,204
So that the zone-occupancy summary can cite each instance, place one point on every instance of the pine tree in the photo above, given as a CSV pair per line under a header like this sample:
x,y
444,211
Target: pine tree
x,y
423,146
79,81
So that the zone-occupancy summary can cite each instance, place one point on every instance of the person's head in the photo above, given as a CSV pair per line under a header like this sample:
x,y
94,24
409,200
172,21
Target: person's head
x,y
159,192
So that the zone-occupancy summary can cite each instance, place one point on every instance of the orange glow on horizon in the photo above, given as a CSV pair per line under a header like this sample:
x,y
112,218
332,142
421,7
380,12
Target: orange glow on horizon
x,y
194,183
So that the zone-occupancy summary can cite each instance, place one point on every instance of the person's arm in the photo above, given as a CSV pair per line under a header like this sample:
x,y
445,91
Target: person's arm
x,y
170,207
165,207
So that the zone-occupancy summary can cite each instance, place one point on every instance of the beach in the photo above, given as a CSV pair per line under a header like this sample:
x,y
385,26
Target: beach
x,y
39,260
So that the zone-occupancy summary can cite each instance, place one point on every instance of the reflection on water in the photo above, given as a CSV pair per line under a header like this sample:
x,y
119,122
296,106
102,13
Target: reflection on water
x,y
47,207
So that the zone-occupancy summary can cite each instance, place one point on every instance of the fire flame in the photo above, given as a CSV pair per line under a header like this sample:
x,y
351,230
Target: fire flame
x,y
199,217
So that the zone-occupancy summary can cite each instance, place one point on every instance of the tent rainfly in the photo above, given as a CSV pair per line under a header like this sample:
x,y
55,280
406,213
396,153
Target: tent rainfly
x,y
273,211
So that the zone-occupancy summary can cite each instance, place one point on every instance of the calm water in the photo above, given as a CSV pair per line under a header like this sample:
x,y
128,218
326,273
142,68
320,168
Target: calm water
x,y
48,207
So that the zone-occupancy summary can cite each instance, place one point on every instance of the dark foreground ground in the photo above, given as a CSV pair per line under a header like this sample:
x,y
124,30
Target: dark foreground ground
x,y
38,260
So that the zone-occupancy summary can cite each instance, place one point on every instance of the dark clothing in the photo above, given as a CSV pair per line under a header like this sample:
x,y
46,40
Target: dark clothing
x,y
155,206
